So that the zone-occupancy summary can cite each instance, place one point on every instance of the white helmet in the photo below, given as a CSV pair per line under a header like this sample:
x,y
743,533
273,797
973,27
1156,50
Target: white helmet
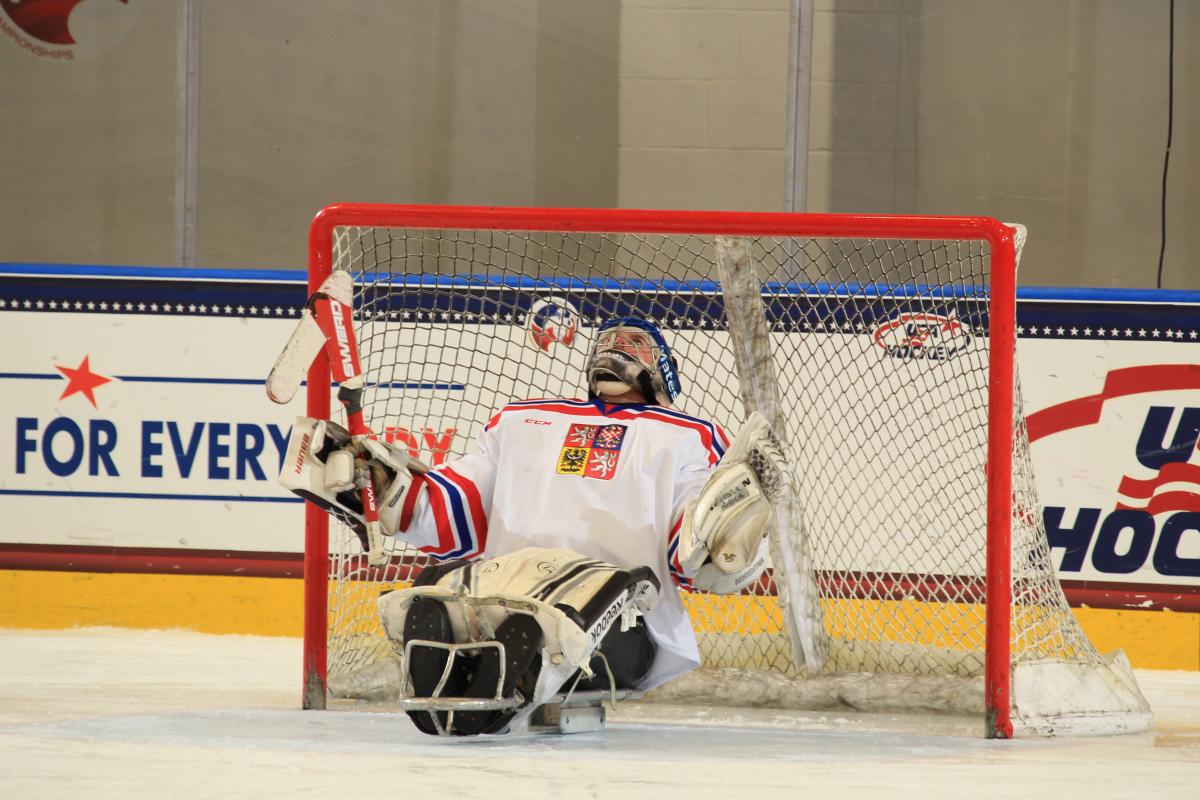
x,y
631,353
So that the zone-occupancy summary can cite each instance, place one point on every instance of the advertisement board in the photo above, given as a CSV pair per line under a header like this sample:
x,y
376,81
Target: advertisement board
x,y
135,435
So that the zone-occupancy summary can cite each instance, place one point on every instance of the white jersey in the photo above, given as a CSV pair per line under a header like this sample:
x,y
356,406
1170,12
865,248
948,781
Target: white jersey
x,y
606,481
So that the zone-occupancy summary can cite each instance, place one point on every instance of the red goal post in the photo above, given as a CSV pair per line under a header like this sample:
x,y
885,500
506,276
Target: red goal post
x,y
997,238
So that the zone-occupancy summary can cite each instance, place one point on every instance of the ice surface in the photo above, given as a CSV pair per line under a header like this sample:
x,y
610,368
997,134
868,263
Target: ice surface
x,y
106,713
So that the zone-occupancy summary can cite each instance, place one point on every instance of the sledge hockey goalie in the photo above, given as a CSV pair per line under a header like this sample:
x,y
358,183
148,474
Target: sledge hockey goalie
x,y
563,540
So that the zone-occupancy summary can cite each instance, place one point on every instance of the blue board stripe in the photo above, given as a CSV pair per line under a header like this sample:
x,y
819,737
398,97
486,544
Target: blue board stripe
x,y
1042,312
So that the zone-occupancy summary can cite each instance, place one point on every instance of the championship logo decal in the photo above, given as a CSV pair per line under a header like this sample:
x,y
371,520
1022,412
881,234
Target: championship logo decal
x,y
56,29
551,320
922,336
591,451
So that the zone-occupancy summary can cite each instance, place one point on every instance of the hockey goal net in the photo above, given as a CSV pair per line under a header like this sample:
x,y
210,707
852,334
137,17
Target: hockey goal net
x,y
910,570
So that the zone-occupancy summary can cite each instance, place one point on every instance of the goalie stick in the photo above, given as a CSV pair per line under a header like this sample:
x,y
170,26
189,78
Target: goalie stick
x,y
755,362
327,322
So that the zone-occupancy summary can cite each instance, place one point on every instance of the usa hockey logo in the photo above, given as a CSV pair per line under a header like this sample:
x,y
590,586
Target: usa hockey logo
x,y
1176,479
1148,524
591,451
922,336
550,320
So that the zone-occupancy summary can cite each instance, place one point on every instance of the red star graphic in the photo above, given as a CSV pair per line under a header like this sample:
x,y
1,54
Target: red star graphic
x,y
81,379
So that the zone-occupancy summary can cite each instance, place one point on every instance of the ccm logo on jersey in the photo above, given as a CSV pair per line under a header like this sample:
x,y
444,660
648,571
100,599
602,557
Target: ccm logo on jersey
x,y
532,421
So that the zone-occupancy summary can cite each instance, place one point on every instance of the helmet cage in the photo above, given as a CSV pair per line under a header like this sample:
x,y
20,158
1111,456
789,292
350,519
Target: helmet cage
x,y
653,370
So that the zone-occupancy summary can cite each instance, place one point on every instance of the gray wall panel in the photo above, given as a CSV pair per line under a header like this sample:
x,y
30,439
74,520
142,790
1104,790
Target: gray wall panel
x,y
88,157
421,101
1049,113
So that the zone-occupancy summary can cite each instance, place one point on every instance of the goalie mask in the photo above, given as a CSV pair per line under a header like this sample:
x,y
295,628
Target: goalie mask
x,y
631,353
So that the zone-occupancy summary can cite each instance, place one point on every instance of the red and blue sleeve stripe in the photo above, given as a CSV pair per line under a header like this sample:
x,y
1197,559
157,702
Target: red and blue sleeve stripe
x,y
458,514
681,580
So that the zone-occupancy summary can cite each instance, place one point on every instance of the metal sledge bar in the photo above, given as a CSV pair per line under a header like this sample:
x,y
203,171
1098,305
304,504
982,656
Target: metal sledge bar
x,y
436,702
577,712
439,703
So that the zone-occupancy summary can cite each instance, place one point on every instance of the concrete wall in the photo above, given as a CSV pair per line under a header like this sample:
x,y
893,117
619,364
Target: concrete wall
x,y
421,101
1049,113
303,103
703,96
863,116
88,158
1055,114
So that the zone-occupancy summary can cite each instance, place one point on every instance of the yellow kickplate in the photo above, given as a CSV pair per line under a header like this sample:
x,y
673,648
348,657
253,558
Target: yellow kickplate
x,y
274,607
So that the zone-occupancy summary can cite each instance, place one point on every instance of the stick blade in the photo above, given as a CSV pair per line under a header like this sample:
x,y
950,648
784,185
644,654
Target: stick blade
x,y
308,338
291,368
340,286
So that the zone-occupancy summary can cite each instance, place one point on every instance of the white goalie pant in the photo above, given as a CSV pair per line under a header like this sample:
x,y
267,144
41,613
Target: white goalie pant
x,y
481,595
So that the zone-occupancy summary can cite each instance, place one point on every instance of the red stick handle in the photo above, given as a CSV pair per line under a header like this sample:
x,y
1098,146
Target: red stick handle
x,y
337,323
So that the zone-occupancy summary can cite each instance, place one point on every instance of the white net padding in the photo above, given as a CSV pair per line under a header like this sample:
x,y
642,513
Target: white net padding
x,y
880,349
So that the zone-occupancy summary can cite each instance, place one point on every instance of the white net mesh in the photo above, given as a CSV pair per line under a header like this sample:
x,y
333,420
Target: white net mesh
x,y
881,352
